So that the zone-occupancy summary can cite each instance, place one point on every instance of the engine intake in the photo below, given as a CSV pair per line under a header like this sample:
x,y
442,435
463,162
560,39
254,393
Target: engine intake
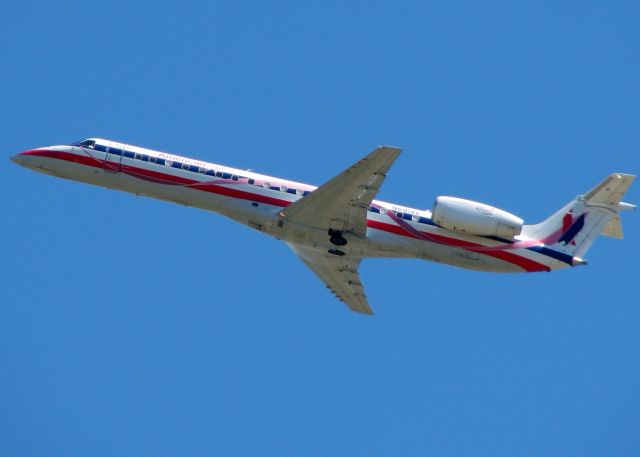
x,y
474,218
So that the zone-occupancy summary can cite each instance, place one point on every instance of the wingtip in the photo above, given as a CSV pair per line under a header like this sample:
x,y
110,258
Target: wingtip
x,y
362,308
363,312
391,148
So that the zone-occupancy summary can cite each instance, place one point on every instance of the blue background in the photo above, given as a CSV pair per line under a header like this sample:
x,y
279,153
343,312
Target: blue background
x,y
131,326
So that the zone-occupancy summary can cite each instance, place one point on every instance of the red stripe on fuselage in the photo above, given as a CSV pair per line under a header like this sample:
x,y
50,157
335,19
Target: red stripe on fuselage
x,y
523,262
164,178
158,177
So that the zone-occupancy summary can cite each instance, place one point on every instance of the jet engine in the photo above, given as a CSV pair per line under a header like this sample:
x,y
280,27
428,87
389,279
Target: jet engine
x,y
474,218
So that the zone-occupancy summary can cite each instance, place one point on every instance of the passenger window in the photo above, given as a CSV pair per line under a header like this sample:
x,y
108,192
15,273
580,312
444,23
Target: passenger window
x,y
226,175
185,166
152,159
252,181
234,177
137,156
219,174
210,173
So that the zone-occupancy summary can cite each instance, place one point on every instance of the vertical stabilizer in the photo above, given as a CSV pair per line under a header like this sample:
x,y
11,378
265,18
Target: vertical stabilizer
x,y
574,227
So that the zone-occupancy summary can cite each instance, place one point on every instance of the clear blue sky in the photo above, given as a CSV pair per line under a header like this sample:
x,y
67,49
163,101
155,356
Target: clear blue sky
x,y
131,326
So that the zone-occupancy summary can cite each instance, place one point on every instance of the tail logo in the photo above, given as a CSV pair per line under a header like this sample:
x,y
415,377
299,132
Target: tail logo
x,y
571,227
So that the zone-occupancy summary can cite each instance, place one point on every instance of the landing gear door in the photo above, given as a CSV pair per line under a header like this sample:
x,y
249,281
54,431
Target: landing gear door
x,y
113,158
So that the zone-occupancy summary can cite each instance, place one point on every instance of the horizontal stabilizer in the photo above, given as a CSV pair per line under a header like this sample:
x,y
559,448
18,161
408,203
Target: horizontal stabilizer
x,y
610,191
613,228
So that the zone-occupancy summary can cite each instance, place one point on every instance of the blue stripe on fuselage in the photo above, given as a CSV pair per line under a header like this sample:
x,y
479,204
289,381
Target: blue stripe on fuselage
x,y
561,256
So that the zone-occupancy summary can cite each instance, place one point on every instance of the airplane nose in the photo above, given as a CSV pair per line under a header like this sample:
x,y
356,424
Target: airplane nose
x,y
25,158
20,158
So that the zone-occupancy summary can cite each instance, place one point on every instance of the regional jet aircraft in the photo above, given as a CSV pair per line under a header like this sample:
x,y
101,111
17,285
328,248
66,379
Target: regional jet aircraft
x,y
334,226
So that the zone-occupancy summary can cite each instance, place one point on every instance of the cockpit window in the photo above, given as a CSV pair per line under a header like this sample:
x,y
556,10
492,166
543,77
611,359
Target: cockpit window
x,y
85,144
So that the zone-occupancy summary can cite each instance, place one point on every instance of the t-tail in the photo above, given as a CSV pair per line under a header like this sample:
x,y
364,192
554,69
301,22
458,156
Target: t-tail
x,y
573,228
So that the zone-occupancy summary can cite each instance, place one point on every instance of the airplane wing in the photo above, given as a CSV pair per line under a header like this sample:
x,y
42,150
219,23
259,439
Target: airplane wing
x,y
339,274
342,203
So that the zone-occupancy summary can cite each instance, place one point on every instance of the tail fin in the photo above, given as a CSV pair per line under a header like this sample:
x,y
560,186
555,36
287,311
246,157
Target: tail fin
x,y
574,227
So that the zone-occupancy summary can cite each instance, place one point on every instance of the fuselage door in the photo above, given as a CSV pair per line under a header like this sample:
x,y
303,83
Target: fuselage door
x,y
113,158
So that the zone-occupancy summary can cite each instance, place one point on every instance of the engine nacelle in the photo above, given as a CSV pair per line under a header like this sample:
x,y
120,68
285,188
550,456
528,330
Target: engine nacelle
x,y
473,218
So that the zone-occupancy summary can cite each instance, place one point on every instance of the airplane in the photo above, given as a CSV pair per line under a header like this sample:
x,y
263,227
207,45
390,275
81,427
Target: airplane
x,y
332,228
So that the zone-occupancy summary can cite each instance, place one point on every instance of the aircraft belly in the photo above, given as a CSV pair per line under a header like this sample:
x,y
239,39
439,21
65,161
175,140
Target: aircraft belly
x,y
318,238
464,258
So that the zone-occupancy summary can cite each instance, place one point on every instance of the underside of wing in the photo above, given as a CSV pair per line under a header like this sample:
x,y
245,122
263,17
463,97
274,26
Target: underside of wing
x,y
339,274
341,204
